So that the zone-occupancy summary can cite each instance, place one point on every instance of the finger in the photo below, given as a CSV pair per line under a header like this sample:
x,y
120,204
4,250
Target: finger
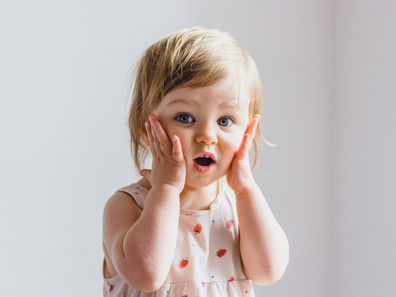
x,y
152,128
251,129
244,147
256,120
150,138
163,139
146,173
177,151
156,142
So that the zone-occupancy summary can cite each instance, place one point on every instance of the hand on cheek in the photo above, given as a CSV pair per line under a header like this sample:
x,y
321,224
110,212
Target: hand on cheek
x,y
168,167
239,175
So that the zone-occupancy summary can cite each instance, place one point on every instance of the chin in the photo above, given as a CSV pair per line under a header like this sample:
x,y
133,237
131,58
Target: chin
x,y
200,181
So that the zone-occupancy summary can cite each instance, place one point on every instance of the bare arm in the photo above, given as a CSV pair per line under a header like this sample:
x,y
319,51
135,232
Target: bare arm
x,y
149,245
145,244
264,246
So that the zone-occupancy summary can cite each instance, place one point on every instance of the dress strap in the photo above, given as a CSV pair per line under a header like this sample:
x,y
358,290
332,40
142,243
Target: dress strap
x,y
137,193
230,197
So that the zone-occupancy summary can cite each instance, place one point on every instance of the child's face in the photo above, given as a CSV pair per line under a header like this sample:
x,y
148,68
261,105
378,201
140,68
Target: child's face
x,y
198,118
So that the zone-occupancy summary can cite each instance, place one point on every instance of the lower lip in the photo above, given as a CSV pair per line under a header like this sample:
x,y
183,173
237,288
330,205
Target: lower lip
x,y
203,169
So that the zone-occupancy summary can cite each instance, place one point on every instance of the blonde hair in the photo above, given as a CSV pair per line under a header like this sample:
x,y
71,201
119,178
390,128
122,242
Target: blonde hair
x,y
191,57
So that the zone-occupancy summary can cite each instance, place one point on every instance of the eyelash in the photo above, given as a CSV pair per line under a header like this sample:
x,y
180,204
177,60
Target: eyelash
x,y
177,117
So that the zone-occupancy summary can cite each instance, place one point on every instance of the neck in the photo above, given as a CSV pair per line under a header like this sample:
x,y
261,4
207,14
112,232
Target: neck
x,y
199,198
193,198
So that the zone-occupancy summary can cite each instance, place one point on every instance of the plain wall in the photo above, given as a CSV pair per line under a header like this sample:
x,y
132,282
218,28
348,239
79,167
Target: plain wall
x,y
364,149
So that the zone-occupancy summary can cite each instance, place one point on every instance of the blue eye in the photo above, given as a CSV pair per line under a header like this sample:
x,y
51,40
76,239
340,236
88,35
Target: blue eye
x,y
184,118
225,122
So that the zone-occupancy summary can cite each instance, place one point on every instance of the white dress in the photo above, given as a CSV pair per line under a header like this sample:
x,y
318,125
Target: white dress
x,y
207,259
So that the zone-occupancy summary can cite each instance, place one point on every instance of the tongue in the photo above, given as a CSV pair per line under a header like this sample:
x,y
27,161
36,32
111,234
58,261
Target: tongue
x,y
203,161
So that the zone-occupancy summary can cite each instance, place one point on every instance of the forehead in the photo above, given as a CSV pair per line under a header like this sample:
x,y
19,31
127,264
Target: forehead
x,y
230,92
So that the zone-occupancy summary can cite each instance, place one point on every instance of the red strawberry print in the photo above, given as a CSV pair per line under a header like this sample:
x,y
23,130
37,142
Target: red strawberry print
x,y
229,224
111,287
221,252
231,279
183,263
197,228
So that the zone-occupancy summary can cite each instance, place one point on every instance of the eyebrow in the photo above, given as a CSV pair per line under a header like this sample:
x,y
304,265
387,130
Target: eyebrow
x,y
223,104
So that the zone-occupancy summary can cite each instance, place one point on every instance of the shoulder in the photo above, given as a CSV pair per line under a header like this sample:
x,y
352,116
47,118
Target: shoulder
x,y
120,203
126,199
122,209
136,192
120,212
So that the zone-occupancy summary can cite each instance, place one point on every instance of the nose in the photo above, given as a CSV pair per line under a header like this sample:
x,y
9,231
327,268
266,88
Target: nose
x,y
206,134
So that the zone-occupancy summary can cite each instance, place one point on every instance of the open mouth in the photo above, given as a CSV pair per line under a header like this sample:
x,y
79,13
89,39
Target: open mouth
x,y
203,161
203,164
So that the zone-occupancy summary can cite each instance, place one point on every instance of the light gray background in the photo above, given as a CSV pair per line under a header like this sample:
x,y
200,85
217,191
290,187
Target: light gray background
x,y
328,74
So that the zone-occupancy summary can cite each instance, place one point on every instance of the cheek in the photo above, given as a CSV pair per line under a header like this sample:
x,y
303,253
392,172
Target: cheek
x,y
171,129
183,142
167,128
182,135
233,141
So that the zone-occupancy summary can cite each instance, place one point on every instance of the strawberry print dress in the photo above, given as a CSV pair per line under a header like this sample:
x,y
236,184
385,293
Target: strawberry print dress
x,y
207,261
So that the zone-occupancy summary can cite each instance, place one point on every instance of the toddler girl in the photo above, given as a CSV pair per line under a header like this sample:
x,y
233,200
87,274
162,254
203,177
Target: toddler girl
x,y
197,223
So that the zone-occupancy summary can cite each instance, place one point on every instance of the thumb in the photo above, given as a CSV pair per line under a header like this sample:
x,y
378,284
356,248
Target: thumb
x,y
146,173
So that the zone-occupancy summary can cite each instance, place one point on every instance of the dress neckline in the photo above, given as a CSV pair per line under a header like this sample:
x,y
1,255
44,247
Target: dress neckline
x,y
213,205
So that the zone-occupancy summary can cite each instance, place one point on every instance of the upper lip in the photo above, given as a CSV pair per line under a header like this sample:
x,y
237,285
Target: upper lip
x,y
206,154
